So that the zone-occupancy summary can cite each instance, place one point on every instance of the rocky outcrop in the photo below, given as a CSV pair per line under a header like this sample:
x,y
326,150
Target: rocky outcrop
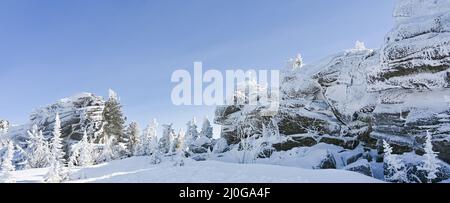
x,y
327,162
77,113
416,53
361,96
362,166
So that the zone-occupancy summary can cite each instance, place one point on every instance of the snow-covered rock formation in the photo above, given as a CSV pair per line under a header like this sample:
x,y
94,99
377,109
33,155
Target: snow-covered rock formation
x,y
356,98
77,113
4,125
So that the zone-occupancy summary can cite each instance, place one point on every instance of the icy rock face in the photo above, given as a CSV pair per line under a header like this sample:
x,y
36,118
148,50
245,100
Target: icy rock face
x,y
416,53
413,78
362,96
361,166
77,113
318,103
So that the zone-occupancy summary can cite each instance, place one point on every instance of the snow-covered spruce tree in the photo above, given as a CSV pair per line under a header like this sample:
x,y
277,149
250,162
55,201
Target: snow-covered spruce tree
x,y
110,151
207,129
166,140
73,158
86,151
191,132
38,151
7,164
180,149
56,172
132,137
156,156
114,118
431,163
82,152
149,137
394,169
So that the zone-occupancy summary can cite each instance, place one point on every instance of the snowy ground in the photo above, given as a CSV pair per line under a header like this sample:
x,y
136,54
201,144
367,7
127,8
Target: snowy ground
x,y
138,170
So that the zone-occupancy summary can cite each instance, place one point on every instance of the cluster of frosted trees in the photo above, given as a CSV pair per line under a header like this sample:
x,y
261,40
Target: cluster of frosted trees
x,y
50,153
40,153
175,145
396,170
114,141
260,144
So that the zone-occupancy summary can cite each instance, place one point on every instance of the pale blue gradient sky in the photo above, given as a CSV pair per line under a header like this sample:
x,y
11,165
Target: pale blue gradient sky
x,y
50,49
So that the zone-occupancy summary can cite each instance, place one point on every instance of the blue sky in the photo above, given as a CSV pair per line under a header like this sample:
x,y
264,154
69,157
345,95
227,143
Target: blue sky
x,y
50,49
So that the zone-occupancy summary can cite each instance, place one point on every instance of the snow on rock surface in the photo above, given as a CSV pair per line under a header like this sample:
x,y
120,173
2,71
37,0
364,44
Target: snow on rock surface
x,y
417,49
361,96
139,170
77,113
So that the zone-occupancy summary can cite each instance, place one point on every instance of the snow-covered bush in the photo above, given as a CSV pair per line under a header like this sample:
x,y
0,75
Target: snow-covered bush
x,y
180,149
144,145
111,150
82,153
6,165
191,134
431,163
38,151
165,143
131,138
207,129
394,169
296,63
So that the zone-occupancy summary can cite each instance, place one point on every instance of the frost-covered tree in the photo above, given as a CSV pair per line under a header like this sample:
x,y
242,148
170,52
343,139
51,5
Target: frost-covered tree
x,y
144,142
132,137
156,156
295,63
180,149
82,152
298,62
431,163
110,150
180,141
167,138
359,46
264,143
207,129
191,132
38,151
394,168
7,164
115,121
86,151
74,154
244,135
56,171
